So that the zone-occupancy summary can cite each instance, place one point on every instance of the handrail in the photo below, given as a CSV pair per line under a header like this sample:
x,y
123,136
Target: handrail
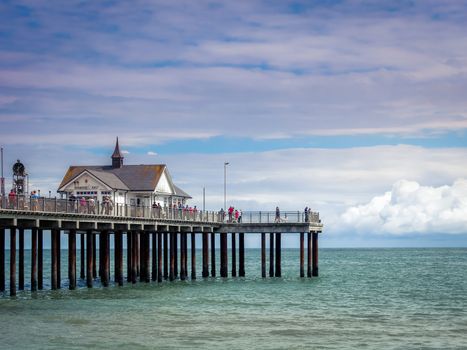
x,y
77,206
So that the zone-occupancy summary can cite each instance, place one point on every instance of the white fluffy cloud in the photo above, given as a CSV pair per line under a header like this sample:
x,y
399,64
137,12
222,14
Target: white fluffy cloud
x,y
412,208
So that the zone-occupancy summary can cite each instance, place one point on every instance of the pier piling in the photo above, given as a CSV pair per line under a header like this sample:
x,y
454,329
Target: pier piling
x,y
21,259
129,258
308,272
106,258
34,259
12,261
54,258
205,255
193,256
314,271
159,257
166,255
89,259
302,269
224,259
154,256
183,271
263,255
172,256
278,254
241,254
72,259
175,237
271,255
40,259
213,254
82,256
2,259
59,260
118,256
134,256
94,255
234,256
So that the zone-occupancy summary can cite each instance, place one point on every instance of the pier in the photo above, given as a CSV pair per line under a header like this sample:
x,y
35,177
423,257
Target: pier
x,y
157,243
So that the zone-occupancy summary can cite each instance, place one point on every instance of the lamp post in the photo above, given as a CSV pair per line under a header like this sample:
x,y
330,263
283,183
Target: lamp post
x,y
225,185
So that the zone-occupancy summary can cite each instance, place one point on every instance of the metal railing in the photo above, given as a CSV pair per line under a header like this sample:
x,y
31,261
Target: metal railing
x,y
106,208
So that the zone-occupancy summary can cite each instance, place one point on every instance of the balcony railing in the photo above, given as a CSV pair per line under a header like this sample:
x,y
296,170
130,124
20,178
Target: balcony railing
x,y
87,207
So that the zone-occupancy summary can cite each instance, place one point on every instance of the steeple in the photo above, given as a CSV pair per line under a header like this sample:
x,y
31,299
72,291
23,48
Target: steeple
x,y
117,158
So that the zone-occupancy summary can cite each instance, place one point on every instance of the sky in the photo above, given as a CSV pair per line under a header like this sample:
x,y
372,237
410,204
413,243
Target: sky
x,y
357,109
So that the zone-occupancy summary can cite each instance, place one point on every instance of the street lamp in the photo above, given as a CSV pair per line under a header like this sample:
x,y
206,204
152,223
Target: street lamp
x,y
225,185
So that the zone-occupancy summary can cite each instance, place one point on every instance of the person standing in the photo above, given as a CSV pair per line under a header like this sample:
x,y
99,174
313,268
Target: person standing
x,y
278,215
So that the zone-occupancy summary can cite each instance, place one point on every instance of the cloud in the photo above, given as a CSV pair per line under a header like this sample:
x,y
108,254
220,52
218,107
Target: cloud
x,y
151,153
410,208
339,68
125,152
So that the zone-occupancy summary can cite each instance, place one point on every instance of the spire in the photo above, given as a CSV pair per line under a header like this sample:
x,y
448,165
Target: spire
x,y
117,158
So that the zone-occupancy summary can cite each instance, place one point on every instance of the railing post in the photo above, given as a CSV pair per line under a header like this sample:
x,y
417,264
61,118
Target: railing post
x,y
260,217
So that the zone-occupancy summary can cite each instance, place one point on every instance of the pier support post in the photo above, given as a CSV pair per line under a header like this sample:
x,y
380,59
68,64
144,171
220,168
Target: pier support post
x,y
89,259
104,255
314,271
263,255
234,255
172,256
213,254
302,269
142,256
166,255
72,259
94,255
308,262
54,260
34,259
129,258
40,260
118,243
159,257
193,256
134,256
183,272
59,260
2,259
278,254
21,260
224,262
154,256
241,254
147,256
12,261
271,255
205,255
176,254
82,258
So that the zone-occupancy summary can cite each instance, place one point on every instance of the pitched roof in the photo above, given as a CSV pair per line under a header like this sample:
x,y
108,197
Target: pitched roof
x,y
128,177
180,192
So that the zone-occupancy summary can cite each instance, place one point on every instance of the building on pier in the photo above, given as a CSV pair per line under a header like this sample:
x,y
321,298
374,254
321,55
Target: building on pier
x,y
135,185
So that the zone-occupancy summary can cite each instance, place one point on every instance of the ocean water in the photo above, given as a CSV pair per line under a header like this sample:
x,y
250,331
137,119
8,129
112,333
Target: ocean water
x,y
363,299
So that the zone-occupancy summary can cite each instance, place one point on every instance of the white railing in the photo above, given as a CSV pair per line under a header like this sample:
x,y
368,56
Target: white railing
x,y
77,206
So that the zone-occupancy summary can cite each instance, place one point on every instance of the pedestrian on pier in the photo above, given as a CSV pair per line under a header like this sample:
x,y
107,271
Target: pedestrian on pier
x,y
237,215
231,210
12,198
82,204
222,214
92,206
278,215
307,219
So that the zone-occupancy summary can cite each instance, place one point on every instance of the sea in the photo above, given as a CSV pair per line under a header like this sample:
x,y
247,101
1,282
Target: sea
x,y
362,299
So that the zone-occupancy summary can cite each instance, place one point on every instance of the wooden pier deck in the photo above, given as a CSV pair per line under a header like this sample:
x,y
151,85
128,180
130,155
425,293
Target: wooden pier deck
x,y
157,243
